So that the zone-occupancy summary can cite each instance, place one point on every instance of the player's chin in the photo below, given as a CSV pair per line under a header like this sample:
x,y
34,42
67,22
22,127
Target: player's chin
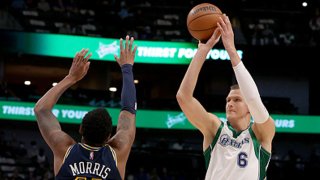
x,y
230,115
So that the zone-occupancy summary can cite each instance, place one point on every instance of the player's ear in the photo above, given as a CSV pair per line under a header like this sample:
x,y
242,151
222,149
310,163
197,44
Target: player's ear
x,y
108,137
248,111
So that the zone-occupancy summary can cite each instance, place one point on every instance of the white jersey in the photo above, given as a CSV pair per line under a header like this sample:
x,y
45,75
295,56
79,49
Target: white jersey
x,y
233,155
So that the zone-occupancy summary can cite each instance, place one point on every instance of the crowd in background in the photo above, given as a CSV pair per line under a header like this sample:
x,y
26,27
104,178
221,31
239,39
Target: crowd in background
x,y
158,158
154,158
278,23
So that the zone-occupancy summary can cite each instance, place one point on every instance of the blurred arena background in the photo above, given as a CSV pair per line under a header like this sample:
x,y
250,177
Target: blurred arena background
x,y
279,40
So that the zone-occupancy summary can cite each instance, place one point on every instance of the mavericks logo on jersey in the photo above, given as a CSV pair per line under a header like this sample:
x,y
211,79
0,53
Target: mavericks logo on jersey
x,y
225,140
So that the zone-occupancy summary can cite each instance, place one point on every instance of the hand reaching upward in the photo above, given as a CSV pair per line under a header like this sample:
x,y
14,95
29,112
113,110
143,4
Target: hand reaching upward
x,y
80,65
126,53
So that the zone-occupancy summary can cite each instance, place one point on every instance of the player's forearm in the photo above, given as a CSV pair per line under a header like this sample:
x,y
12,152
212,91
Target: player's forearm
x,y
126,128
234,56
250,93
190,79
128,93
52,96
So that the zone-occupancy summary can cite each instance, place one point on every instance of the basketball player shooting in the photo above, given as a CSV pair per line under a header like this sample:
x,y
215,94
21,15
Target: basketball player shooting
x,y
237,148
98,155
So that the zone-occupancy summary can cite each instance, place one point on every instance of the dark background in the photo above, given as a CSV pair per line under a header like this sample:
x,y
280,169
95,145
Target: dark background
x,y
280,40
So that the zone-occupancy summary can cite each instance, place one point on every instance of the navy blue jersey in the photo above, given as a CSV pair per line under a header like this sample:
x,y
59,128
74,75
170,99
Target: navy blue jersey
x,y
83,162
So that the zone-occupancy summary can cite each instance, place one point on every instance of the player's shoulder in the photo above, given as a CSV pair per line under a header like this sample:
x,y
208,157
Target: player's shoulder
x,y
215,119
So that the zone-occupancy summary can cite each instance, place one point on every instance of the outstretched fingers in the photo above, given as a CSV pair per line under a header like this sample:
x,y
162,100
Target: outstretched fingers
x,y
86,59
121,44
116,58
134,50
127,43
227,21
224,23
127,51
131,43
77,58
82,57
215,37
82,53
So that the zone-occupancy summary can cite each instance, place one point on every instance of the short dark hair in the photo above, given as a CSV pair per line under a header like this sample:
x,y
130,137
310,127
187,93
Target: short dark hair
x,y
234,86
96,126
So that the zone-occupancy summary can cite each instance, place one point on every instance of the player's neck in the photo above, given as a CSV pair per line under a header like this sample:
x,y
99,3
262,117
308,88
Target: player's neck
x,y
240,124
91,144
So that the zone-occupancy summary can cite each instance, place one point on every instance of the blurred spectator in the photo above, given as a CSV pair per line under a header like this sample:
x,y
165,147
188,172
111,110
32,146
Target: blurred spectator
x,y
162,144
142,174
7,93
58,6
290,164
8,164
34,150
77,29
130,176
31,4
18,4
313,165
71,6
41,157
88,28
238,35
287,38
177,145
16,175
268,36
48,175
124,13
314,24
257,34
21,151
7,21
154,174
164,174
44,5
145,33
65,28
133,33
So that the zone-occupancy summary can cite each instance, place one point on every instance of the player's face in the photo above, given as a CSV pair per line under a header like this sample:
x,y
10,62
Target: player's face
x,y
236,107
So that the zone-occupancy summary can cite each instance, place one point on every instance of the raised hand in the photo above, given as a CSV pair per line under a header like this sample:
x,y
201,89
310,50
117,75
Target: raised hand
x,y
212,41
127,53
227,34
80,65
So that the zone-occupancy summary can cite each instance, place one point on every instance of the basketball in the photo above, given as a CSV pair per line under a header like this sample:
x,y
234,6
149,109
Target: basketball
x,y
202,21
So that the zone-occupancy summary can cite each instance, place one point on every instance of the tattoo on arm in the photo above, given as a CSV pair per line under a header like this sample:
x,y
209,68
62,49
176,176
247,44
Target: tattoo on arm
x,y
124,123
126,128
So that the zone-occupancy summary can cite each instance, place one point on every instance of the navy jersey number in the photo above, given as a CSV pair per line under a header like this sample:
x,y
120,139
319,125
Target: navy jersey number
x,y
242,159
